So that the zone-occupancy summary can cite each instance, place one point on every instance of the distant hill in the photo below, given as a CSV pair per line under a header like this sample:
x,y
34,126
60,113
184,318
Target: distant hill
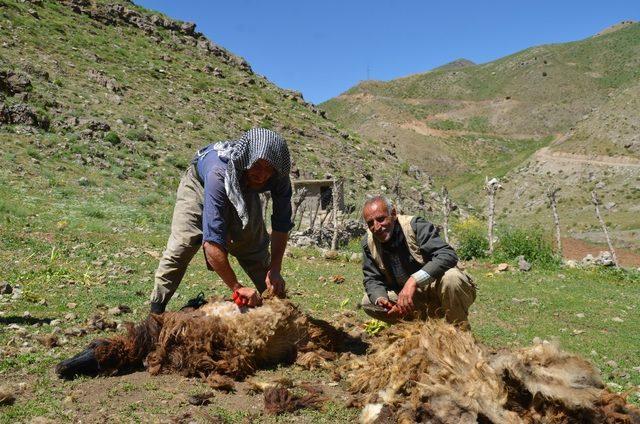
x,y
501,118
456,64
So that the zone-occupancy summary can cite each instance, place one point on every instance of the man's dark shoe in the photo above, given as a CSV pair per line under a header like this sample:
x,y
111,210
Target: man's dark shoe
x,y
157,307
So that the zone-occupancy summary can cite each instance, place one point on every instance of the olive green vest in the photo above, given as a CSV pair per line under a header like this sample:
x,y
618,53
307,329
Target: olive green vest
x,y
410,236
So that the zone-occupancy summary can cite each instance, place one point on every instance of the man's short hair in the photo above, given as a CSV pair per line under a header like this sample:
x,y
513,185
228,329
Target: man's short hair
x,y
373,198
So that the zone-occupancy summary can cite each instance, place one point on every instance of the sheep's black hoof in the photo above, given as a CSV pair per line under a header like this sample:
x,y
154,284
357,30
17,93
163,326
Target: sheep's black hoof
x,y
84,363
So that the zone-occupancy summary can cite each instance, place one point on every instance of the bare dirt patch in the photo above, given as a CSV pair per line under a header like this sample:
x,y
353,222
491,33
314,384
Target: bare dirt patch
x,y
577,249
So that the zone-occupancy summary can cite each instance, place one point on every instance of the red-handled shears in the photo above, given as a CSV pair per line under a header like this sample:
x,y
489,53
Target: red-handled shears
x,y
239,299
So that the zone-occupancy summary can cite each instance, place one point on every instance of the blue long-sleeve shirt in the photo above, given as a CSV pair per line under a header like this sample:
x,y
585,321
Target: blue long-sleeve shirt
x,y
211,170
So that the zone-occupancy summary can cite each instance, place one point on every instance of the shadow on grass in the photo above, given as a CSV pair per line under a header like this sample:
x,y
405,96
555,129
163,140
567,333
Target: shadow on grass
x,y
24,320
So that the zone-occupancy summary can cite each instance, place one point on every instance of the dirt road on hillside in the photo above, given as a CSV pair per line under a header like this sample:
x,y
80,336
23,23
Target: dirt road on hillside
x,y
546,154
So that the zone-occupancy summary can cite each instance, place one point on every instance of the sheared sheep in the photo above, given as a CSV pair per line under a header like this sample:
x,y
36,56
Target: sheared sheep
x,y
217,339
433,372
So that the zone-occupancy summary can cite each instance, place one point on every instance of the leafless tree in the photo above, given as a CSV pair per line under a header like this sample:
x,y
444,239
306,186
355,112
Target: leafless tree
x,y
491,187
553,203
296,200
335,194
596,202
314,214
397,194
446,210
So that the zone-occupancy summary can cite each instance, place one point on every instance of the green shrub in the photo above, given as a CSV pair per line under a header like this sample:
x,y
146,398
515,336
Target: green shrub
x,y
530,243
112,137
136,135
478,124
446,125
471,235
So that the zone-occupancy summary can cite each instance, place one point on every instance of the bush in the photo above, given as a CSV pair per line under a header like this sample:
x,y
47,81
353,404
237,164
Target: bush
x,y
471,235
530,243
112,137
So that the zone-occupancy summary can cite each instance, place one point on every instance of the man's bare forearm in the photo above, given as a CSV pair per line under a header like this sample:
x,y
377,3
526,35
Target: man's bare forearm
x,y
218,259
278,246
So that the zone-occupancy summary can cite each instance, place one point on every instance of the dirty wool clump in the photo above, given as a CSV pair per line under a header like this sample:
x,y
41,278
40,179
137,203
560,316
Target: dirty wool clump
x,y
433,372
217,339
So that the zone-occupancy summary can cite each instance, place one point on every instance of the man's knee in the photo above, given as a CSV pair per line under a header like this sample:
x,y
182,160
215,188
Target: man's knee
x,y
458,283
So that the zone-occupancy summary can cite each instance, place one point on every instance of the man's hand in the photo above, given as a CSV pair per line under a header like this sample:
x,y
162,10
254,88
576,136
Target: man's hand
x,y
385,303
253,297
405,297
275,283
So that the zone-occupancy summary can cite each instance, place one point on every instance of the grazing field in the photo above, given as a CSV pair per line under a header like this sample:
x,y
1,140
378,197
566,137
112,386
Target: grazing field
x,y
69,262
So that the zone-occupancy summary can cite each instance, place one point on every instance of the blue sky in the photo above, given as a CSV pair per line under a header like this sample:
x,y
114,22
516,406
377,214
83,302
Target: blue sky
x,y
322,48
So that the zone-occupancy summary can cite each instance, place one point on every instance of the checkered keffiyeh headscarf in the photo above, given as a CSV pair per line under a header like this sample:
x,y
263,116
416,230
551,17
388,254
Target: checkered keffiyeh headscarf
x,y
257,143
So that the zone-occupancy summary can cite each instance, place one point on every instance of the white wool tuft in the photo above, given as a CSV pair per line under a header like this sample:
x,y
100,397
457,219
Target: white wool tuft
x,y
370,413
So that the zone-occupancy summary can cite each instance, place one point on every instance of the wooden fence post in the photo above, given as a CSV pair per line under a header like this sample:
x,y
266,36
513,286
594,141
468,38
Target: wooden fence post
x,y
491,187
446,210
334,196
596,202
553,202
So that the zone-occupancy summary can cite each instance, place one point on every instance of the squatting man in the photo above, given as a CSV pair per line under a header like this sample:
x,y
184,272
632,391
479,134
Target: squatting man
x,y
409,270
218,208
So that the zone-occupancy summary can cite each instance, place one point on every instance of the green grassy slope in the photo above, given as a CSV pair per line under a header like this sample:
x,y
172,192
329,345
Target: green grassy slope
x,y
162,93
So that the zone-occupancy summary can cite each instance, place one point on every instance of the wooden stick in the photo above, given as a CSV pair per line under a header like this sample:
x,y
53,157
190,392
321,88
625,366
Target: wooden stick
x,y
446,210
334,195
491,187
551,194
596,202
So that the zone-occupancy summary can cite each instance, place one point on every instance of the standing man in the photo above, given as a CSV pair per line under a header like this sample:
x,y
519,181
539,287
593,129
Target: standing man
x,y
218,208
409,270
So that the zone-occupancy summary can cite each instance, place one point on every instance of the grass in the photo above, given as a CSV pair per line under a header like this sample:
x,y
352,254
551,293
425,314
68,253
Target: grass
x,y
72,264
82,221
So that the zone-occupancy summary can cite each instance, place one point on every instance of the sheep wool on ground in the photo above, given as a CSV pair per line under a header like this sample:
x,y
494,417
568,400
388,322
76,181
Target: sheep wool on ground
x,y
433,372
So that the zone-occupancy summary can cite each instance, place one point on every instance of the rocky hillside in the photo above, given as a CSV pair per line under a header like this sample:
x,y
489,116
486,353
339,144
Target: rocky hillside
x,y
562,114
532,94
105,93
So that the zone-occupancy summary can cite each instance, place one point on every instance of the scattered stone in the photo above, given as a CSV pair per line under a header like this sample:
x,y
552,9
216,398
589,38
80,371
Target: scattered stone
x,y
71,305
14,83
22,114
7,395
200,399
612,364
580,315
330,254
321,237
105,81
502,267
119,310
5,288
600,185
605,259
570,263
337,279
70,316
617,319
49,340
523,265
356,257
100,323
588,260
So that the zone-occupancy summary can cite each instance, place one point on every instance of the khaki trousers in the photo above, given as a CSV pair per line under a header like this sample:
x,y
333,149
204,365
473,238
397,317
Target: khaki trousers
x,y
249,245
449,297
